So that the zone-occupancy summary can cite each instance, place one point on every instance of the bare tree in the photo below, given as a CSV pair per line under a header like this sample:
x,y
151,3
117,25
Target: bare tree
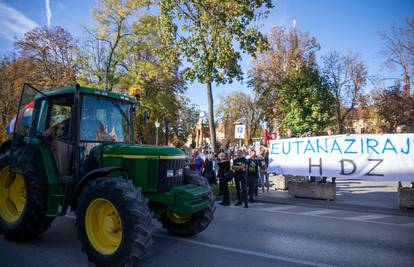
x,y
347,76
52,52
239,105
111,33
399,50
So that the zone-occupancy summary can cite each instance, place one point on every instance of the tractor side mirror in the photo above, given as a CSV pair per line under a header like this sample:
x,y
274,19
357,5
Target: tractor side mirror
x,y
146,117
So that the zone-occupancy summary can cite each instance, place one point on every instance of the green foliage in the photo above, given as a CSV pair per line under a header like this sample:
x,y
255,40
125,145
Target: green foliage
x,y
305,101
394,108
291,51
104,54
125,44
207,34
206,37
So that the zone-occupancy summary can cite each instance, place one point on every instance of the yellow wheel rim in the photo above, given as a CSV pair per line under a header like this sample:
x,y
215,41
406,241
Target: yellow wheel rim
x,y
12,195
103,226
178,218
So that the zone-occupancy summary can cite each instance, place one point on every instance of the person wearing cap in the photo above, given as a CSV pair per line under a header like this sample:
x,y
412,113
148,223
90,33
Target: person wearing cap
x,y
239,178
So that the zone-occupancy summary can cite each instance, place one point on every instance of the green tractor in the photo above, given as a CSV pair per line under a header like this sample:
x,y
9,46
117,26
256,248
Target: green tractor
x,y
73,148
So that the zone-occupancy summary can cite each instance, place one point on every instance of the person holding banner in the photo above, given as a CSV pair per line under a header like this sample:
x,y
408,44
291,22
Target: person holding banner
x,y
401,129
264,160
252,173
289,133
329,132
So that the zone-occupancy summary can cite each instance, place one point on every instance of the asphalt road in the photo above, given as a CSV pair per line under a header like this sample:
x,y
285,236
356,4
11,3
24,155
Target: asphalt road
x,y
263,235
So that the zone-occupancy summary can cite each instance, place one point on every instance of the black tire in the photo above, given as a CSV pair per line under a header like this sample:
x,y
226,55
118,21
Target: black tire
x,y
135,216
33,221
199,221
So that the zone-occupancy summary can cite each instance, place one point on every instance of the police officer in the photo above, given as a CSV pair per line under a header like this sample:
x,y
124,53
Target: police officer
x,y
224,169
239,178
252,173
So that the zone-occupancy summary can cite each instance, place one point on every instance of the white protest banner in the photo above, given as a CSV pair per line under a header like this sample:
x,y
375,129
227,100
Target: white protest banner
x,y
379,157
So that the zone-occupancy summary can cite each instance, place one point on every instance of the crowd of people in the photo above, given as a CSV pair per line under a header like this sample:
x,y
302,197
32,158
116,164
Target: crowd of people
x,y
247,170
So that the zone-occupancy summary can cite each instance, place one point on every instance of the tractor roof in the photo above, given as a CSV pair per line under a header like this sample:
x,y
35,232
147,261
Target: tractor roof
x,y
87,90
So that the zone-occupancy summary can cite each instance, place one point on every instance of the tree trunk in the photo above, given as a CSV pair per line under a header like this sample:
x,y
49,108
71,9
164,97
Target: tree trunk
x,y
407,85
211,117
339,118
166,131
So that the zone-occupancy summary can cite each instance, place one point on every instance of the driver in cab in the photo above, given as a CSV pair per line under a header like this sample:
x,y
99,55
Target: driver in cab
x,y
92,129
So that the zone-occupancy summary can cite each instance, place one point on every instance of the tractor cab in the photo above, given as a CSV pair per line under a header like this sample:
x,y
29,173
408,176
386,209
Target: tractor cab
x,y
74,121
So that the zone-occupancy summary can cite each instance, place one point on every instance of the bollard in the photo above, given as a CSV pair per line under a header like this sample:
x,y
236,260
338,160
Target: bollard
x,y
406,198
325,191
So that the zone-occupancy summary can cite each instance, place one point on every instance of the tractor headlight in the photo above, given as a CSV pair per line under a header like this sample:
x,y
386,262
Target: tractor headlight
x,y
180,172
170,173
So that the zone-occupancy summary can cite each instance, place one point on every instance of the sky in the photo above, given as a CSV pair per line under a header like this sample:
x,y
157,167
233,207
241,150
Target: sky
x,y
338,25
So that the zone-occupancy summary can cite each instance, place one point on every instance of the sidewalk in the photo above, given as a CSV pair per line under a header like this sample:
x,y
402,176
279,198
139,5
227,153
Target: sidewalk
x,y
358,195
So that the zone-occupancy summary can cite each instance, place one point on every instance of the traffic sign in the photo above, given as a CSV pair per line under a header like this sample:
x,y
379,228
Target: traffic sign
x,y
239,131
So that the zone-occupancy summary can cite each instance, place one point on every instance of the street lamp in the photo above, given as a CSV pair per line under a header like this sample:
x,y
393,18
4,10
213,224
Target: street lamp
x,y
157,125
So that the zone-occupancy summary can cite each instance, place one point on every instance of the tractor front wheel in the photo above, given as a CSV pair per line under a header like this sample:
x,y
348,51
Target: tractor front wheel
x,y
114,222
187,225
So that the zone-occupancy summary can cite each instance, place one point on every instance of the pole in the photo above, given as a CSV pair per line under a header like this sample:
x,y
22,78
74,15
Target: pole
x,y
156,138
106,75
240,141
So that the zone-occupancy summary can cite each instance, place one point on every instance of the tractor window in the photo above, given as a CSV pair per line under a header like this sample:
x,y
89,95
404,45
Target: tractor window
x,y
60,116
105,120
42,116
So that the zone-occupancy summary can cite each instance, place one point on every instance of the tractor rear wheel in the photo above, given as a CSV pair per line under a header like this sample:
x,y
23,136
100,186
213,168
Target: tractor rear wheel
x,y
114,222
23,202
187,225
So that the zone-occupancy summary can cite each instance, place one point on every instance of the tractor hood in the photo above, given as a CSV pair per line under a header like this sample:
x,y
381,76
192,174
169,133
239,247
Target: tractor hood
x,y
141,151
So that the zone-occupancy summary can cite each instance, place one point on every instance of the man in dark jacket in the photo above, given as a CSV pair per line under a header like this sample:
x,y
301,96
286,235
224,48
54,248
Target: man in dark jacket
x,y
252,173
239,178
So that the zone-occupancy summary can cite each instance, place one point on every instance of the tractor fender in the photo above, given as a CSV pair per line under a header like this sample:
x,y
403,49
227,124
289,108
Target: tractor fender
x,y
5,145
92,175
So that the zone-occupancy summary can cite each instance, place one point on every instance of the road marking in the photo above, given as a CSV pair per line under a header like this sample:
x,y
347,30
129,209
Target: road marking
x,y
367,217
278,208
362,218
244,251
236,250
318,212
